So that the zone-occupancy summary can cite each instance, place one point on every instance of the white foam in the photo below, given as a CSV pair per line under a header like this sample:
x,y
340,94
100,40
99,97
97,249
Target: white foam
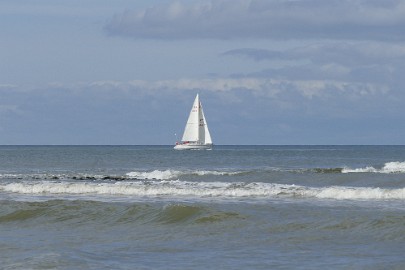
x,y
360,170
390,167
214,173
360,193
156,174
223,190
173,174
394,167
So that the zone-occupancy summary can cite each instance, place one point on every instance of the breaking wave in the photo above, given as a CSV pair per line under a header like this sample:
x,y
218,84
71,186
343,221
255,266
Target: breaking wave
x,y
390,167
135,175
173,174
195,190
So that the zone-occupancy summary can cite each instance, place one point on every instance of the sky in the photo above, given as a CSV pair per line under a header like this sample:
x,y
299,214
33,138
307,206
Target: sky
x,y
269,72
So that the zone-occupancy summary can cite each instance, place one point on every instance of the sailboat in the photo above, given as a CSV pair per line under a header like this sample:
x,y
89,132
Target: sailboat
x,y
196,134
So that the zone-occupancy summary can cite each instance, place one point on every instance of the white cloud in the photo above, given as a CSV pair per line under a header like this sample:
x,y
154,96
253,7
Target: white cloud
x,y
343,53
219,84
336,19
260,87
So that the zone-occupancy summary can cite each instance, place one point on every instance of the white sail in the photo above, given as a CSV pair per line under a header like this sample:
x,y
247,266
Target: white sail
x,y
191,131
196,134
207,135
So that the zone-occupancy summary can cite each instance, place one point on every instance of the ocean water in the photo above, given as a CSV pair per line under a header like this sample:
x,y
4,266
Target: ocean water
x,y
235,207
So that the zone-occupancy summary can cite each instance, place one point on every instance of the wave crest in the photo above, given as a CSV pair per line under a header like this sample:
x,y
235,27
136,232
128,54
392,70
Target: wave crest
x,y
390,167
138,175
195,190
173,174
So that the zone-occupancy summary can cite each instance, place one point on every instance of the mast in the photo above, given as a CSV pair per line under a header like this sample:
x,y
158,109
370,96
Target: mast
x,y
201,125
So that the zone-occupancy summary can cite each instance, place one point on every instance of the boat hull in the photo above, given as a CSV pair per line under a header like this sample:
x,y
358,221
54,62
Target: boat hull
x,y
193,146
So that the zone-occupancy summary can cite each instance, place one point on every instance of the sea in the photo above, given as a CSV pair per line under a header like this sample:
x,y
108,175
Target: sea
x,y
234,207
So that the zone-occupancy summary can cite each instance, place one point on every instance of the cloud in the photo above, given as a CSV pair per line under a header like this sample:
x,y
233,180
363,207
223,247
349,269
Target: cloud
x,y
272,88
216,85
277,19
267,88
356,62
343,53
